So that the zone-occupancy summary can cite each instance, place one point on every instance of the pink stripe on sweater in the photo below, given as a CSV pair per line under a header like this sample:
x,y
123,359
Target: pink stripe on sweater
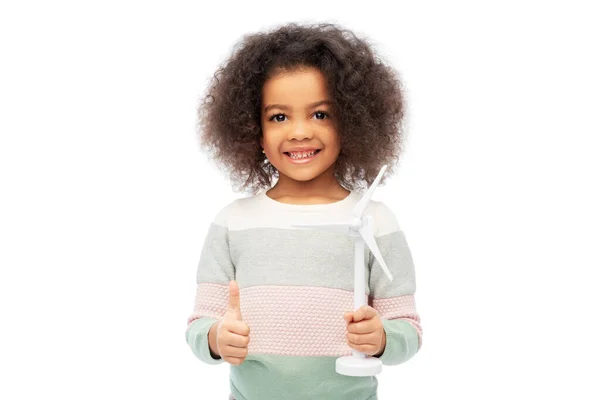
x,y
211,301
295,320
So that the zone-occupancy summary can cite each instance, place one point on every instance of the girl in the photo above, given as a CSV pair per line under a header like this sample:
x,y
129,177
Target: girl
x,y
312,108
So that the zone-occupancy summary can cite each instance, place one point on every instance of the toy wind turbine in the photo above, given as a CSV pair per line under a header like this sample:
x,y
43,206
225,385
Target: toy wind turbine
x,y
361,228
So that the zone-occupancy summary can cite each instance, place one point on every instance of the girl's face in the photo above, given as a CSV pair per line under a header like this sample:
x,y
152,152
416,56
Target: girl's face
x,y
299,132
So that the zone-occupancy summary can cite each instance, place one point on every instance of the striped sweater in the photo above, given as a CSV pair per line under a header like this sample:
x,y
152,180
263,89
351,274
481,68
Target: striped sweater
x,y
295,286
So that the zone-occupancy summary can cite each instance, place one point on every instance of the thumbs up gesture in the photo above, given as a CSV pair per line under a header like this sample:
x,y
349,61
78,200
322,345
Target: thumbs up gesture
x,y
233,334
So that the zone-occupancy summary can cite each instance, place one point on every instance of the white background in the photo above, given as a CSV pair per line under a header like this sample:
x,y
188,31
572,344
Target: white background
x,y
106,197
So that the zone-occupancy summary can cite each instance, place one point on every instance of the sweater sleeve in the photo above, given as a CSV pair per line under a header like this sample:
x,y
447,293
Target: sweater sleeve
x,y
395,300
215,270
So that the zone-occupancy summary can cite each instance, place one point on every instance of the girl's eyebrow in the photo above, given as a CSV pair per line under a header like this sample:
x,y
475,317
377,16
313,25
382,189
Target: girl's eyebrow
x,y
284,107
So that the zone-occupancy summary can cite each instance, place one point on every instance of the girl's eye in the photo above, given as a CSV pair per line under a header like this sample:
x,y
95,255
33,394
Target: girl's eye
x,y
323,113
272,117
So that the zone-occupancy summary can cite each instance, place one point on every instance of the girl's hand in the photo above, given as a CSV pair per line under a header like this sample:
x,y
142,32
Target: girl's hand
x,y
233,334
365,331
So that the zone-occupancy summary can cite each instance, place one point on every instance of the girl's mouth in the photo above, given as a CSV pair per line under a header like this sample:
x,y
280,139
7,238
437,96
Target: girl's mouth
x,y
301,157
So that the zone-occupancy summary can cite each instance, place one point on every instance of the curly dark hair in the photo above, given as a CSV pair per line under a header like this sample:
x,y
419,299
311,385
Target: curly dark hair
x,y
367,96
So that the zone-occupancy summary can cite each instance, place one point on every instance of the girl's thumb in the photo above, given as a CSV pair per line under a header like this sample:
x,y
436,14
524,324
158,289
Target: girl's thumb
x,y
234,299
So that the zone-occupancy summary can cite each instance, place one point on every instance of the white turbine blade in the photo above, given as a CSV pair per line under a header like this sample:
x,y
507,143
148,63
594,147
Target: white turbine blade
x,y
369,239
359,209
341,227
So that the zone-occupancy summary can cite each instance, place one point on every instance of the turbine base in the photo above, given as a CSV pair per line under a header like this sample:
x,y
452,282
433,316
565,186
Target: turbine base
x,y
355,366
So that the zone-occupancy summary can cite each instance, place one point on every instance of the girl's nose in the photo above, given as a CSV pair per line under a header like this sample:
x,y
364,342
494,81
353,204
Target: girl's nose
x,y
300,130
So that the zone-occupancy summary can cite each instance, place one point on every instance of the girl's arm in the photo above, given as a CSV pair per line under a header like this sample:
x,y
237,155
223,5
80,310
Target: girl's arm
x,y
395,301
215,270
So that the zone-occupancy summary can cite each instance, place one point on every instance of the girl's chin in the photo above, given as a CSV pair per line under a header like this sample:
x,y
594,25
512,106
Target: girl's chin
x,y
305,175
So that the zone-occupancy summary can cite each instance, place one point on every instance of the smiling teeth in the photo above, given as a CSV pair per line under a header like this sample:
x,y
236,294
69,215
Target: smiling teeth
x,y
301,155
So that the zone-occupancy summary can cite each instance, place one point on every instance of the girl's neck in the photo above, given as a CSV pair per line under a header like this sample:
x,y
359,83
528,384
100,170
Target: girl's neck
x,y
321,190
